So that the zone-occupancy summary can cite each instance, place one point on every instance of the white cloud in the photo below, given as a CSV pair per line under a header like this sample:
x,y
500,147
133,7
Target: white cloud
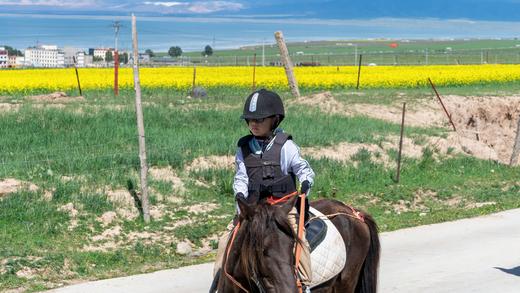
x,y
53,3
199,6
167,4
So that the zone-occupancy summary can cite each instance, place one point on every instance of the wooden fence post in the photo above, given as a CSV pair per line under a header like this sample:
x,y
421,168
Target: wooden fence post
x,y
398,175
77,75
140,126
194,79
359,71
516,147
284,55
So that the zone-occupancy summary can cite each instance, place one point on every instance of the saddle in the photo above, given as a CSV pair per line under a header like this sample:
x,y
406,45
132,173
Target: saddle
x,y
328,252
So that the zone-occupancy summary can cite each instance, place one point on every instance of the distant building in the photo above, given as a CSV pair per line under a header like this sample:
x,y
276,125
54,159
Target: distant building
x,y
20,61
44,56
4,58
88,60
101,52
143,58
11,61
71,53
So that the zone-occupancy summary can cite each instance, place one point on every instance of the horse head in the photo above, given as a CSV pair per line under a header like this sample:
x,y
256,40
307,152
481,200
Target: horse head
x,y
261,257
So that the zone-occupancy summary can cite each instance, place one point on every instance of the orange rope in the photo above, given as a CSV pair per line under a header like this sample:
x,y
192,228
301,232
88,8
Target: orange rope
x,y
299,247
273,200
235,231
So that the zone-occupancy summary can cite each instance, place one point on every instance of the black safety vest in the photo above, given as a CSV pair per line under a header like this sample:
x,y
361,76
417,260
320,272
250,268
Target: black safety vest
x,y
264,170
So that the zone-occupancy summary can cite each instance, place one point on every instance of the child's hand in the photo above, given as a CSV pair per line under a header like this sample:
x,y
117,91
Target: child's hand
x,y
305,186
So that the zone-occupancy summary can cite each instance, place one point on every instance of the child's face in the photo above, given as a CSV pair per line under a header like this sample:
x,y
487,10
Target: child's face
x,y
260,127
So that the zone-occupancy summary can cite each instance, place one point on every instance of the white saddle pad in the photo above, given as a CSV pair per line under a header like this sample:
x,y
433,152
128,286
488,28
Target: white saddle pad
x,y
328,259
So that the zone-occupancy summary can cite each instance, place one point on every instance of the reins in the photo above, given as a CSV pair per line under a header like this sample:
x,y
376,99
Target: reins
x,y
273,201
235,231
301,224
355,215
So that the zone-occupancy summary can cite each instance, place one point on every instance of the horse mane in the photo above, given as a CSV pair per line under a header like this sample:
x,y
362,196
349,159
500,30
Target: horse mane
x,y
266,220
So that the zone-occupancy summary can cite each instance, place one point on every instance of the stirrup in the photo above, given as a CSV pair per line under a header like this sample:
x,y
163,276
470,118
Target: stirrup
x,y
306,289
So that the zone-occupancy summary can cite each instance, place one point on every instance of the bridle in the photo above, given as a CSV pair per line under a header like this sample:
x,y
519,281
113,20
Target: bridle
x,y
271,201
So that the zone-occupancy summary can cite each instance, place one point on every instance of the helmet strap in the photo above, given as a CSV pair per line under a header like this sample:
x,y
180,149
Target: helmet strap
x,y
276,122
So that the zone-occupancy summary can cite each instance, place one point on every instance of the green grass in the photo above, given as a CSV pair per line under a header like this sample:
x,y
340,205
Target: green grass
x,y
374,51
97,148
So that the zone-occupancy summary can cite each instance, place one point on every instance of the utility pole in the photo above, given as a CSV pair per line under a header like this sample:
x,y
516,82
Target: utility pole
x,y
116,27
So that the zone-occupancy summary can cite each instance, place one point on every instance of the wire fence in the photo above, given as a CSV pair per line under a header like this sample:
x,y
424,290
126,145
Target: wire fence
x,y
422,57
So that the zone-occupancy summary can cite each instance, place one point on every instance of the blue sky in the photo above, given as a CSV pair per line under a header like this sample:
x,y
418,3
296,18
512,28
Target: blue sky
x,y
233,23
490,10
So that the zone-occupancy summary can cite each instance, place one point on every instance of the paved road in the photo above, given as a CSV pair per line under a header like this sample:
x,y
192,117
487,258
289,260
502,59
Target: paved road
x,y
472,255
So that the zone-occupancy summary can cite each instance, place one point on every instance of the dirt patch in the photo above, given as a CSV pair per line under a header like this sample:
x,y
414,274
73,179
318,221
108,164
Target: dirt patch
x,y
424,116
206,246
73,212
11,185
107,218
345,151
57,97
178,223
121,197
421,198
125,202
167,174
488,121
108,234
157,211
104,247
410,148
323,101
211,162
128,214
418,203
202,208
459,144
27,273
486,126
8,107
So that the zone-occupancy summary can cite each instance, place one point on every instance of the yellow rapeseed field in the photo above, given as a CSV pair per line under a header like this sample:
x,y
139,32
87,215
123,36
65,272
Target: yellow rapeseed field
x,y
27,80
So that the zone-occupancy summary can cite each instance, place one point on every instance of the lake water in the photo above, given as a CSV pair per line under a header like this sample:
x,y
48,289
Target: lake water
x,y
159,33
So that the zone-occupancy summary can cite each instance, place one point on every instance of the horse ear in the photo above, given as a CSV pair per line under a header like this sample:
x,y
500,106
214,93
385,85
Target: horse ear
x,y
288,205
246,210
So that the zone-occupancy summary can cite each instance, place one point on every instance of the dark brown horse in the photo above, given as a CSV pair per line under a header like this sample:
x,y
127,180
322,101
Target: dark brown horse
x,y
261,258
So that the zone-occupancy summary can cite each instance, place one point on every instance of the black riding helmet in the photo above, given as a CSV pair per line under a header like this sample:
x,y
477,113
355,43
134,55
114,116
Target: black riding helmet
x,y
262,104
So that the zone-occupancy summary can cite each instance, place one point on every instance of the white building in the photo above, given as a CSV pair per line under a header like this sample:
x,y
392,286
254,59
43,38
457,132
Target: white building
x,y
20,61
101,52
11,62
82,60
44,56
4,58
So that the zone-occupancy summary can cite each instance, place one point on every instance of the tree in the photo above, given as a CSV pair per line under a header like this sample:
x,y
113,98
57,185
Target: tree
x,y
12,51
109,57
150,52
97,58
175,51
124,58
208,51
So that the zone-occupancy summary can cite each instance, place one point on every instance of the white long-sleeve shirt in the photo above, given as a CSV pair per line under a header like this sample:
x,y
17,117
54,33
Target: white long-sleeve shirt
x,y
290,160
